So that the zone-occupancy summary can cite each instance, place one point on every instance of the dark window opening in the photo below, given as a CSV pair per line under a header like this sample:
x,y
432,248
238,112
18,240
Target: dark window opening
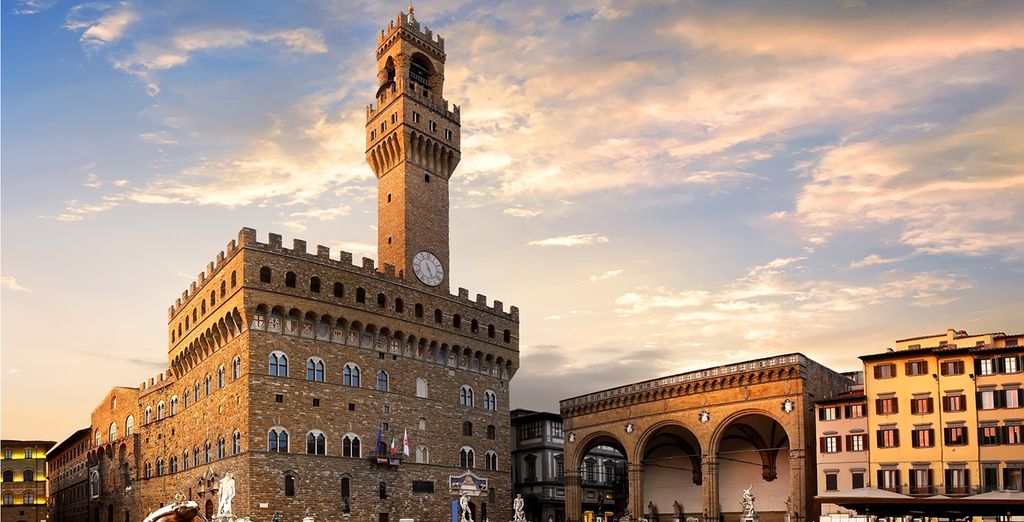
x,y
360,295
265,274
289,280
426,177
399,306
457,321
490,331
339,290
507,336
419,310
278,398
474,326
438,316
381,300
314,284
289,486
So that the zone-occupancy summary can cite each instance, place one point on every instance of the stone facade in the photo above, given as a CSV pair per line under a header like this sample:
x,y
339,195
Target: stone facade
x,y
287,366
68,475
538,464
698,439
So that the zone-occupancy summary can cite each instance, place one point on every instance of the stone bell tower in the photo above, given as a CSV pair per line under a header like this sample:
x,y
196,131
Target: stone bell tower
x,y
412,145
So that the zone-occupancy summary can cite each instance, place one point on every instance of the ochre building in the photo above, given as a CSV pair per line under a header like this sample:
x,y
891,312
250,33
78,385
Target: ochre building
x,y
24,480
303,375
694,441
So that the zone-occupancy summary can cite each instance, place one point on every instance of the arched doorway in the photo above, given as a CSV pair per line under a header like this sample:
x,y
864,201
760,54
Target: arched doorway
x,y
603,479
753,452
208,509
671,458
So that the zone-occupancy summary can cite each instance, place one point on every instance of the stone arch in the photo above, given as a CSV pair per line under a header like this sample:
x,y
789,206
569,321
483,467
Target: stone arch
x,y
752,440
671,455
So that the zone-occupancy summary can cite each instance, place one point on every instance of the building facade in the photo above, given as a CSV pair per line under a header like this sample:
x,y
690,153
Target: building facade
x,y
842,429
945,414
67,469
694,441
24,480
366,391
538,464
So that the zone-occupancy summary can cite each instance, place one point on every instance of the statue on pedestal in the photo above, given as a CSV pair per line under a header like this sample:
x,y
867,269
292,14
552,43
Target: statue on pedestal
x,y
467,513
227,493
747,503
677,510
652,509
517,508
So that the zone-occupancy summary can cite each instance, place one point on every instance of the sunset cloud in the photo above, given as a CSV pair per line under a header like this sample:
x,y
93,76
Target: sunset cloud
x,y
570,241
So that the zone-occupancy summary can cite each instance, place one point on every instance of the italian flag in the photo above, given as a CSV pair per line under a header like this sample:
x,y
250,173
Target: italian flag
x,y
393,450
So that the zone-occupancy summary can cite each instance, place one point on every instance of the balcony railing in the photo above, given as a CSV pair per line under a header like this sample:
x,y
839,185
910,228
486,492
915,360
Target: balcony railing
x,y
934,489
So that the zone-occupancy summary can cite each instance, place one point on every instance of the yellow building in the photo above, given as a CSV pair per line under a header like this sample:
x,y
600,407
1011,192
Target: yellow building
x,y
944,414
24,480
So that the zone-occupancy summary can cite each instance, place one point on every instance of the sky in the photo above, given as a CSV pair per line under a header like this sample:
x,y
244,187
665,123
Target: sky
x,y
659,186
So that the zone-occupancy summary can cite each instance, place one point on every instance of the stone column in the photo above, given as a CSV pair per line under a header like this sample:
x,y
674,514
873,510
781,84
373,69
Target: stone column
x,y
798,484
635,474
709,487
573,496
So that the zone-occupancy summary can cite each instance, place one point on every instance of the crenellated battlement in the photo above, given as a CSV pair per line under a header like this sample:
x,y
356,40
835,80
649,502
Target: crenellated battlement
x,y
401,86
161,380
343,261
407,25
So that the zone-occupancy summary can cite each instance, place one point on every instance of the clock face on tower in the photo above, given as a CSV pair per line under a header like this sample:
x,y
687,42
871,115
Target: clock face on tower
x,y
428,268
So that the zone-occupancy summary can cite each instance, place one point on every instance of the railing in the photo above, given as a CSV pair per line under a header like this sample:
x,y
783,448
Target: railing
x,y
934,489
727,369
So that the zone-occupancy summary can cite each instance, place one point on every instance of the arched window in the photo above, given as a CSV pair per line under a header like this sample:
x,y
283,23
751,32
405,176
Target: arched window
x,y
207,453
350,375
382,301
467,429
339,290
147,415
236,443
422,455
314,284
202,307
160,469
360,295
467,458
195,389
207,385
147,470
382,381
289,484
160,406
221,447
224,284
316,443
278,364
419,310
213,300
236,367
491,432
457,321
96,438
174,405
474,326
29,498
315,369
277,440
28,475
399,305
491,461
466,395
129,425
438,316
8,475
490,331
220,376
346,490
421,388
350,446
289,279
506,335
490,401
234,279
195,456
112,431
195,315
265,274
174,464
184,464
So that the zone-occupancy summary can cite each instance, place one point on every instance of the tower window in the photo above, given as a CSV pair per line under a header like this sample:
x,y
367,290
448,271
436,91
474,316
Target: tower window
x,y
339,290
490,331
448,134
381,299
383,125
373,135
438,316
457,321
394,118
415,117
389,240
389,198
433,126
419,310
506,336
289,280
426,178
360,295
399,306
314,284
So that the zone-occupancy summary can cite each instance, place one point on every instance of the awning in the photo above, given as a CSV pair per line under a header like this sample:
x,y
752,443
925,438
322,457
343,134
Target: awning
x,y
872,501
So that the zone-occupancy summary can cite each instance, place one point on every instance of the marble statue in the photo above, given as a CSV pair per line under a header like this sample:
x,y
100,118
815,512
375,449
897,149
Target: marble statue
x,y
180,510
227,493
653,509
747,503
517,508
467,513
677,509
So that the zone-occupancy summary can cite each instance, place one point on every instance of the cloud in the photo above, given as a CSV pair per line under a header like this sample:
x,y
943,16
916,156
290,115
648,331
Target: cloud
x,y
645,299
158,138
12,284
92,181
523,212
100,24
607,275
31,7
717,177
875,259
570,241
357,249
297,221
